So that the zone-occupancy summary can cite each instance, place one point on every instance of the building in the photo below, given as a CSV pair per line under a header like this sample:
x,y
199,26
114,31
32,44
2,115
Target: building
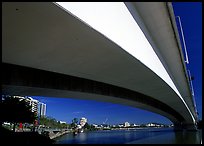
x,y
33,103
127,124
83,121
42,109
62,122
154,125
36,106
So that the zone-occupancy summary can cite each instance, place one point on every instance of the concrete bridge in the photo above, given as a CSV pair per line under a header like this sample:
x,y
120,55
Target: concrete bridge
x,y
49,49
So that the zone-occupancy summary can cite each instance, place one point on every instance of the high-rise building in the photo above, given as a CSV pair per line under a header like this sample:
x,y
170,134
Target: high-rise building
x,y
42,109
32,102
38,107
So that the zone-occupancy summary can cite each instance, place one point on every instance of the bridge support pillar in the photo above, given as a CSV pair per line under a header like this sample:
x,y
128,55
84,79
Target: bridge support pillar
x,y
186,126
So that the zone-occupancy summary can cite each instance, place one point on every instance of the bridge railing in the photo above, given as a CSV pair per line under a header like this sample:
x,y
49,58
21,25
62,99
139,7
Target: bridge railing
x,y
190,78
192,91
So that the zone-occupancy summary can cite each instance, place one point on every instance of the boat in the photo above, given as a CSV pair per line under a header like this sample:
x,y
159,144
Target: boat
x,y
81,130
75,133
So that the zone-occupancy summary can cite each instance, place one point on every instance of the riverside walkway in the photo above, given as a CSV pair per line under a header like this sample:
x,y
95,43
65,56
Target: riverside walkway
x,y
10,137
52,134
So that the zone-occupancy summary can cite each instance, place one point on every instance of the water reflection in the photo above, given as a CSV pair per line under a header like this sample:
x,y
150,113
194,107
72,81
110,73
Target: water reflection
x,y
139,136
82,137
187,137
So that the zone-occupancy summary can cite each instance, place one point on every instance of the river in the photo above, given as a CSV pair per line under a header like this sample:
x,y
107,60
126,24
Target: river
x,y
136,136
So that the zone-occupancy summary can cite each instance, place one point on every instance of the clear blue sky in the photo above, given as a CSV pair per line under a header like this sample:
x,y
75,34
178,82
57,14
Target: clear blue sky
x,y
191,19
65,109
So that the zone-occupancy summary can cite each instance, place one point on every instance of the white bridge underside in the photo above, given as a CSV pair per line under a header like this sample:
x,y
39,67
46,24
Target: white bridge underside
x,y
42,35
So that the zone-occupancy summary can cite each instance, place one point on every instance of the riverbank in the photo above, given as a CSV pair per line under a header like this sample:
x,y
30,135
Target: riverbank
x,y
10,137
53,135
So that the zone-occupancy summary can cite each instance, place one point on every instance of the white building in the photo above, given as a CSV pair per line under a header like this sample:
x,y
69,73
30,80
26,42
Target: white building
x,y
135,125
62,122
83,121
42,109
33,103
36,106
127,124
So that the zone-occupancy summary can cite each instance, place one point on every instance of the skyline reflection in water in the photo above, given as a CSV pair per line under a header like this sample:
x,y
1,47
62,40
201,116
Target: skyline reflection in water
x,y
138,136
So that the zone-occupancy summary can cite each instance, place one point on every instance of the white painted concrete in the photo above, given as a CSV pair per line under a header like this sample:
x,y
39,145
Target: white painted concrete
x,y
43,36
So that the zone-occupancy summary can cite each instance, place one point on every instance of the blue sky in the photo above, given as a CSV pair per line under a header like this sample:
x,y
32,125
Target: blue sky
x,y
65,109
191,19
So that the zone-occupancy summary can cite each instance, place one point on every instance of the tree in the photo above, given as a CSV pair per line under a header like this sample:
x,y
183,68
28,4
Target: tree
x,y
89,127
52,123
74,123
15,111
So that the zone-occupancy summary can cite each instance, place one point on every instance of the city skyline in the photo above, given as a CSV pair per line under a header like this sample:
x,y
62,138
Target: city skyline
x,y
97,112
66,109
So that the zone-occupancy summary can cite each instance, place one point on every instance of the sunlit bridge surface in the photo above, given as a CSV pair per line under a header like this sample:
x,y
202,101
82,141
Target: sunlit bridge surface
x,y
126,53
115,22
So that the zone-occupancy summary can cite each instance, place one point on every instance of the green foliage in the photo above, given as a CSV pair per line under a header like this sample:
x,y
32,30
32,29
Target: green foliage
x,y
75,120
74,123
15,110
52,123
89,127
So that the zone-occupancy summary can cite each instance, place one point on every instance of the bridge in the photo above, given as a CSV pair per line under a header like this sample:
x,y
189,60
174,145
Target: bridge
x,y
50,49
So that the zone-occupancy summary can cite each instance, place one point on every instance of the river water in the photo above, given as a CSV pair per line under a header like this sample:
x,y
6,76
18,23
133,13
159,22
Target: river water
x,y
136,136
